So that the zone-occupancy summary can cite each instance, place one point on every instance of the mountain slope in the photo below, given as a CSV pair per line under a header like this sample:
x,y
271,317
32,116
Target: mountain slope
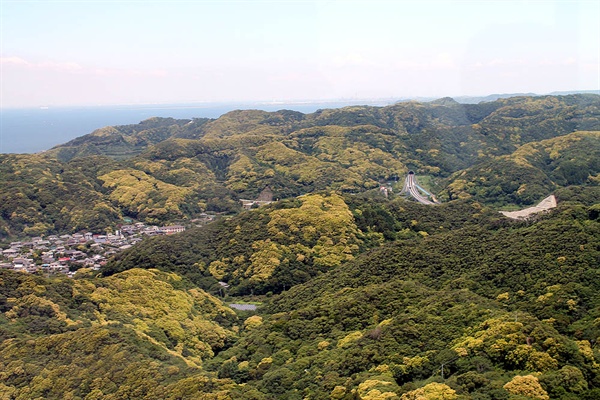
x,y
41,195
173,170
490,305
124,141
532,171
451,299
291,241
132,335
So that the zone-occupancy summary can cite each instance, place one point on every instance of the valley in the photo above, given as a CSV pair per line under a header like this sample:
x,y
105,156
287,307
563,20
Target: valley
x,y
352,253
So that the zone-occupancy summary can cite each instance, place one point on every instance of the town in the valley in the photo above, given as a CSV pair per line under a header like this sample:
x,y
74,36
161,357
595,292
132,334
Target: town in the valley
x,y
67,253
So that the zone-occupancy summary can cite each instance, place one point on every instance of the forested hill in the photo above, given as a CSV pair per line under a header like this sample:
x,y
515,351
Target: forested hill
x,y
506,123
530,172
126,140
289,242
399,301
361,295
164,170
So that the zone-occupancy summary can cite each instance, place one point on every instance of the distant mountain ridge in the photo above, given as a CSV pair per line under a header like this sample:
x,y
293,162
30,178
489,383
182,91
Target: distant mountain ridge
x,y
360,295
123,141
493,97
165,169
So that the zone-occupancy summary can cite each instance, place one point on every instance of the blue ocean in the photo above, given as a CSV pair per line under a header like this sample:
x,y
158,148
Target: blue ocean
x,y
38,129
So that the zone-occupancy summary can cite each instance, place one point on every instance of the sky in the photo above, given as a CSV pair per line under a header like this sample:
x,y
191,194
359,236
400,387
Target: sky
x,y
84,52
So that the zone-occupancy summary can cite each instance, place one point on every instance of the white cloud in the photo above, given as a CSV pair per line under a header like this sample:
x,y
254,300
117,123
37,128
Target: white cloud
x,y
13,61
44,65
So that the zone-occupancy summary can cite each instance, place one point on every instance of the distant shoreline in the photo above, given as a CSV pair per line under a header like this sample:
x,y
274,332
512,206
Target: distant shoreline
x,y
33,130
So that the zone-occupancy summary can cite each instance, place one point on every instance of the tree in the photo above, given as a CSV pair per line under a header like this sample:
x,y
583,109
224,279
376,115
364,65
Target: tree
x,y
432,391
527,386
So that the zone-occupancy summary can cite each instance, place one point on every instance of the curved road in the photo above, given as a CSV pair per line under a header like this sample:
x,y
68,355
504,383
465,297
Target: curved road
x,y
410,186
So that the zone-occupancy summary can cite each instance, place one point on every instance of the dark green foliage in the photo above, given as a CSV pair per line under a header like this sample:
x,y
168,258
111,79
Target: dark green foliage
x,y
185,254
425,322
122,141
453,298
234,244
172,170
532,172
485,298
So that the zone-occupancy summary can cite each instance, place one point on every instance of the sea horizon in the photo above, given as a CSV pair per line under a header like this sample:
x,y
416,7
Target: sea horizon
x,y
37,129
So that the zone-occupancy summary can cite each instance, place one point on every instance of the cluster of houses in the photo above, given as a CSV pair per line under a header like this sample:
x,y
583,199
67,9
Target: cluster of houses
x,y
386,190
65,254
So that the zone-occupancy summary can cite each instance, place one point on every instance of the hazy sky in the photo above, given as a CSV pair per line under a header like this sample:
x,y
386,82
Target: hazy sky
x,y
83,52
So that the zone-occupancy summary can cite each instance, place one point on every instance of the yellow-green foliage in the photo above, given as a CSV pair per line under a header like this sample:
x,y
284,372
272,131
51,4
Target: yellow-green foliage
x,y
555,146
30,301
321,230
324,344
265,259
105,131
532,171
432,391
338,145
325,222
241,174
239,122
183,171
253,322
196,387
374,389
460,188
349,339
527,386
586,351
217,269
309,170
338,392
126,336
144,194
40,195
506,341
98,363
148,301
411,363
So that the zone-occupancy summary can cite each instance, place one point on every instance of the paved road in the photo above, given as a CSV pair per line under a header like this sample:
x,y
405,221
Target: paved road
x,y
410,186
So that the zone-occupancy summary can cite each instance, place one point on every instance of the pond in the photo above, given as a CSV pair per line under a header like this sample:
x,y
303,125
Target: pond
x,y
243,307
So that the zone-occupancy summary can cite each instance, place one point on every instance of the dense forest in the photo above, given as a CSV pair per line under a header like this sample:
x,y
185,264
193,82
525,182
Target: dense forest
x,y
451,301
360,295
511,151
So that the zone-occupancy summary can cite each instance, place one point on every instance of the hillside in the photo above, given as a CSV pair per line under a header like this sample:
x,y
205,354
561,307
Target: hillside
x,y
265,250
39,195
508,308
533,170
123,141
362,296
164,170
289,242
138,334
493,304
